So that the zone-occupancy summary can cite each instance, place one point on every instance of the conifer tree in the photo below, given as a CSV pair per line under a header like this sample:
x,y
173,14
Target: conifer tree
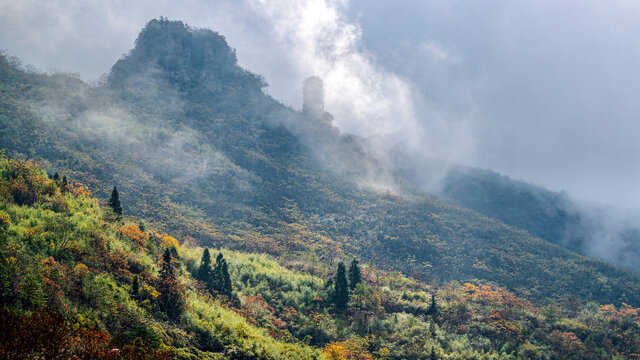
x,y
56,177
64,184
171,300
204,271
433,308
355,276
227,287
135,287
221,280
114,202
142,227
341,288
433,354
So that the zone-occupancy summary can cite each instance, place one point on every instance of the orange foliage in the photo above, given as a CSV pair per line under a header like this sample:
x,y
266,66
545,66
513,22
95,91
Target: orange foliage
x,y
486,294
625,311
348,350
133,233
78,189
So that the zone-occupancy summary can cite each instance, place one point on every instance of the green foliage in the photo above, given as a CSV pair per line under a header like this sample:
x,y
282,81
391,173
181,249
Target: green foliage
x,y
204,271
114,202
355,277
171,300
341,288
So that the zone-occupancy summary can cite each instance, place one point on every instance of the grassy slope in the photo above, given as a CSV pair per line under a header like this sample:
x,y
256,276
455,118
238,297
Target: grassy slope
x,y
58,250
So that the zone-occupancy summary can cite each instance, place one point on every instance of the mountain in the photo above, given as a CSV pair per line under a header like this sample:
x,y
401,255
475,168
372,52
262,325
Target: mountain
x,y
198,150
79,281
589,229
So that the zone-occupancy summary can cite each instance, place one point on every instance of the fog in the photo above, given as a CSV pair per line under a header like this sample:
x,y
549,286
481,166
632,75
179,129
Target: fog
x,y
545,92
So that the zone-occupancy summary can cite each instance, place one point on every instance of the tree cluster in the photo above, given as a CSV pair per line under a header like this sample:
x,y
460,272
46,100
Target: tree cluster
x,y
216,277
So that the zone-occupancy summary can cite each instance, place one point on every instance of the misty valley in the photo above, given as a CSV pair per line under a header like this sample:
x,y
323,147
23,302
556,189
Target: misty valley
x,y
174,209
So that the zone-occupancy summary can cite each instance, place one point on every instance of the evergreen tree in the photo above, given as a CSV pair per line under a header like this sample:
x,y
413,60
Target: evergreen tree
x,y
142,227
433,308
355,276
225,279
433,354
341,288
135,287
56,177
171,300
221,280
204,271
114,202
63,187
174,252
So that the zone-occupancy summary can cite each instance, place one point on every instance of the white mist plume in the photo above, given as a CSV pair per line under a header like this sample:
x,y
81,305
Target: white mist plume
x,y
364,99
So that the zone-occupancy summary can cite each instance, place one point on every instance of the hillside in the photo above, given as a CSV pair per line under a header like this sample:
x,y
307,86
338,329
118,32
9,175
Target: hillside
x,y
199,151
551,216
78,281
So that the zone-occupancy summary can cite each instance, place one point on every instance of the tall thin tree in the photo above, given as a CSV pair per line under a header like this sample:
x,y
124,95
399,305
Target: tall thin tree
x,y
355,275
341,288
114,202
204,271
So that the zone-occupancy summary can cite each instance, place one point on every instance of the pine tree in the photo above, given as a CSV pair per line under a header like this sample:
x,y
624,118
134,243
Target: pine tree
x,y
135,287
171,300
204,271
64,184
433,354
433,308
56,177
227,287
355,276
221,280
142,227
341,289
114,202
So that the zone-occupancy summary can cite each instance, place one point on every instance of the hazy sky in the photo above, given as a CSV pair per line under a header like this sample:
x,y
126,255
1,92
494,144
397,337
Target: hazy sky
x,y
546,91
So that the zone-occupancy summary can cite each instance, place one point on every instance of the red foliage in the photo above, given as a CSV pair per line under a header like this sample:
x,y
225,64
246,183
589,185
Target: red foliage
x,y
45,334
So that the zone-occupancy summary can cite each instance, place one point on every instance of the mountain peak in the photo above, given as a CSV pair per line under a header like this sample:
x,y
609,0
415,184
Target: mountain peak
x,y
181,54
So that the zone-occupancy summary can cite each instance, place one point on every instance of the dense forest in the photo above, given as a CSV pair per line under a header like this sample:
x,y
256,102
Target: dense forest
x,y
80,281
227,225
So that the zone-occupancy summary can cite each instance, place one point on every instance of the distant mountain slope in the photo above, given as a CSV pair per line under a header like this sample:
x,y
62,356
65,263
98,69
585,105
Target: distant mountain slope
x,y
195,146
589,230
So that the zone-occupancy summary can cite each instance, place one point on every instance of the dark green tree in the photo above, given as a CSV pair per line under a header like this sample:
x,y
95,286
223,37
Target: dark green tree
x,y
63,184
433,308
355,276
341,288
114,202
220,279
227,287
142,227
56,177
204,271
433,354
171,300
135,287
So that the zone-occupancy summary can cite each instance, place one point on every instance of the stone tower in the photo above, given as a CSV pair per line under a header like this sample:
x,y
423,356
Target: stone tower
x,y
313,97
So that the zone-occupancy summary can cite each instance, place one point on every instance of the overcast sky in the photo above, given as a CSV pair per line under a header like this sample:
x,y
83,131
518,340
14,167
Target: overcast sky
x,y
545,91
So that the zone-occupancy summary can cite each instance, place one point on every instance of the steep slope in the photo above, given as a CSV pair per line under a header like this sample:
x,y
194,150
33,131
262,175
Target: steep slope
x,y
197,148
78,282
